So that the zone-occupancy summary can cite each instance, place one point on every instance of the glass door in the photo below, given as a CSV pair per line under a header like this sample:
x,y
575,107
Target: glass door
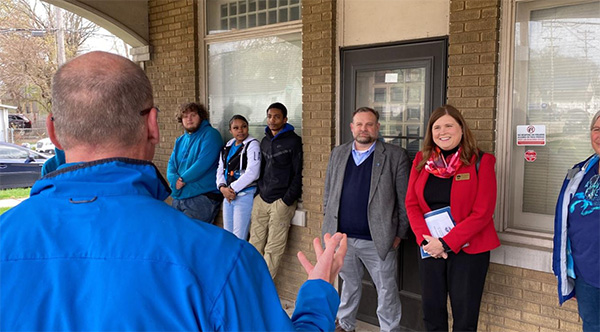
x,y
404,82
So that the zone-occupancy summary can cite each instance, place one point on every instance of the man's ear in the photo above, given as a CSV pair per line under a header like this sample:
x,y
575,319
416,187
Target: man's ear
x,y
51,132
152,125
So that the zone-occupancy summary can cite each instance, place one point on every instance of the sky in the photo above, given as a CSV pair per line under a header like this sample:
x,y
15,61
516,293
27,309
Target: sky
x,y
101,41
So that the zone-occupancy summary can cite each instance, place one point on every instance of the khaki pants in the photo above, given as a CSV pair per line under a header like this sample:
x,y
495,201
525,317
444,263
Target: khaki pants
x,y
269,230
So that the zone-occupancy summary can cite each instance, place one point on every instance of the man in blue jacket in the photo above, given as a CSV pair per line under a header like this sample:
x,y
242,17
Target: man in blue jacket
x,y
193,165
111,255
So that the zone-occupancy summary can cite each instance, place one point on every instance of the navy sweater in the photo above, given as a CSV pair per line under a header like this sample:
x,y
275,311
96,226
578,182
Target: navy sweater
x,y
354,200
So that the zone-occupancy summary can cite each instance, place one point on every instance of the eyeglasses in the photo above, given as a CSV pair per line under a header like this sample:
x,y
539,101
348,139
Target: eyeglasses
x,y
147,110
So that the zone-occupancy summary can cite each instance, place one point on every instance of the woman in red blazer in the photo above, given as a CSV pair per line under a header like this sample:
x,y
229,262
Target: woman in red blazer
x,y
450,171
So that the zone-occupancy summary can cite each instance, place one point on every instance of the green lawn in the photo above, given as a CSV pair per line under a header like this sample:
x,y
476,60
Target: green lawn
x,y
4,209
14,193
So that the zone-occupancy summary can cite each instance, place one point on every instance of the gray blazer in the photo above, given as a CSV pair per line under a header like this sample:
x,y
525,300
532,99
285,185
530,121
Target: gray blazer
x,y
389,181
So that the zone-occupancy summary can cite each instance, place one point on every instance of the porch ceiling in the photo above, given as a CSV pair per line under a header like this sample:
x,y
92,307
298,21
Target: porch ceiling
x,y
126,19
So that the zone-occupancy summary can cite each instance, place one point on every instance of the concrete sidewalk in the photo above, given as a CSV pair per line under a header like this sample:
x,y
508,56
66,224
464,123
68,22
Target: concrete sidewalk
x,y
10,202
361,326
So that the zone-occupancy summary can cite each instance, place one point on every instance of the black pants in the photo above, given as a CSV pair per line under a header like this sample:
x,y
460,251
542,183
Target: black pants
x,y
463,277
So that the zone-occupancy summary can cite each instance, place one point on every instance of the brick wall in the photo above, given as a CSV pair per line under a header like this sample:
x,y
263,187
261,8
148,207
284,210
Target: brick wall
x,y
318,122
473,65
514,299
172,67
518,299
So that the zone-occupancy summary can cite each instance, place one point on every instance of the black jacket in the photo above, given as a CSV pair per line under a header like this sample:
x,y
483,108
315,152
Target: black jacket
x,y
281,166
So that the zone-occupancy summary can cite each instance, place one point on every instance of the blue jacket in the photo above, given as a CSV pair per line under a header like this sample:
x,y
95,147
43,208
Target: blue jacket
x,y
561,259
107,254
195,158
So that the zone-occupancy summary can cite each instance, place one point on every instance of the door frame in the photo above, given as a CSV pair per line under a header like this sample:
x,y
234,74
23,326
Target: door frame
x,y
435,51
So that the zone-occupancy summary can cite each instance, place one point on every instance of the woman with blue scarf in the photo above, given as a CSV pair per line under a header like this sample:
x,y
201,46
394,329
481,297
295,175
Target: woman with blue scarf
x,y
576,259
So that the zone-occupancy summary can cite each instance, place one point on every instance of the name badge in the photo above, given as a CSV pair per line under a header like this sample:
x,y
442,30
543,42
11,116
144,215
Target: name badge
x,y
462,176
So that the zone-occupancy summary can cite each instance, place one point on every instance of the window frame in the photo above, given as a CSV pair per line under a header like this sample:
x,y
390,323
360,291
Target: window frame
x,y
521,248
229,36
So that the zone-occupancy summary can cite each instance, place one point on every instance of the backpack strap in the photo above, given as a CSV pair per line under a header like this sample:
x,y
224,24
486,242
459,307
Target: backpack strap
x,y
244,155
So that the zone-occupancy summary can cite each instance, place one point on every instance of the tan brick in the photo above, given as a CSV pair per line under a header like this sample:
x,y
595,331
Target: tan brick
x,y
568,326
464,37
496,328
478,113
497,278
479,25
461,81
462,102
483,135
455,71
519,325
488,58
540,320
505,269
456,5
320,26
503,311
310,36
527,306
463,59
456,27
493,298
486,102
455,49
489,35
487,80
549,288
472,124
453,92
489,12
540,276
485,124
464,15
486,91
562,314
481,69
539,297
471,4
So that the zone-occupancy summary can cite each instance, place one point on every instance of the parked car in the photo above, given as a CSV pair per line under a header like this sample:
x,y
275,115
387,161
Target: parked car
x,y
45,145
19,121
19,167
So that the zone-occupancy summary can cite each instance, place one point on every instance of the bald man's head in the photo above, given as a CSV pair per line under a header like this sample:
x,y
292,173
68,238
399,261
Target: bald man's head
x,y
96,101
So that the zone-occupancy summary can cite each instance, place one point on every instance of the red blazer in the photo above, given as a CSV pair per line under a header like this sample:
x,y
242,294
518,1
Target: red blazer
x,y
472,204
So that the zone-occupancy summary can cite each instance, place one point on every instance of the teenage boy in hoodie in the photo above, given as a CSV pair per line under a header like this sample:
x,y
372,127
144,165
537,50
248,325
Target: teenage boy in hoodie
x,y
279,187
193,165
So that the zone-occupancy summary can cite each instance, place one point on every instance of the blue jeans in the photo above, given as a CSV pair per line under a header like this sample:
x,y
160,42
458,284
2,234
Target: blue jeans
x,y
588,304
236,215
199,207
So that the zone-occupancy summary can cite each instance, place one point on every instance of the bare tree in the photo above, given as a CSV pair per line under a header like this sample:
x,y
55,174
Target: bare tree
x,y
28,47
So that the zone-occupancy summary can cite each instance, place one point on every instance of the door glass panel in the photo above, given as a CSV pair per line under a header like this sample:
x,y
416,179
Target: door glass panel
x,y
556,84
398,94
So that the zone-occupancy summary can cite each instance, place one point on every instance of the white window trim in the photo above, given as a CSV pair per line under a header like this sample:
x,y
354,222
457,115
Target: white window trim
x,y
520,248
234,35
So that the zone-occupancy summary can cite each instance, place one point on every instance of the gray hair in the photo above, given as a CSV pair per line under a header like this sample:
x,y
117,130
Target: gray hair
x,y
97,99
594,119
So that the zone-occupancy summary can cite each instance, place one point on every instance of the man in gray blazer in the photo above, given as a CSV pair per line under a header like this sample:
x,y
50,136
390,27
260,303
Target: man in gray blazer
x,y
363,197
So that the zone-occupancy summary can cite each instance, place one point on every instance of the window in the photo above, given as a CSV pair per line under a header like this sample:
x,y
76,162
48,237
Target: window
x,y
246,76
227,15
555,82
